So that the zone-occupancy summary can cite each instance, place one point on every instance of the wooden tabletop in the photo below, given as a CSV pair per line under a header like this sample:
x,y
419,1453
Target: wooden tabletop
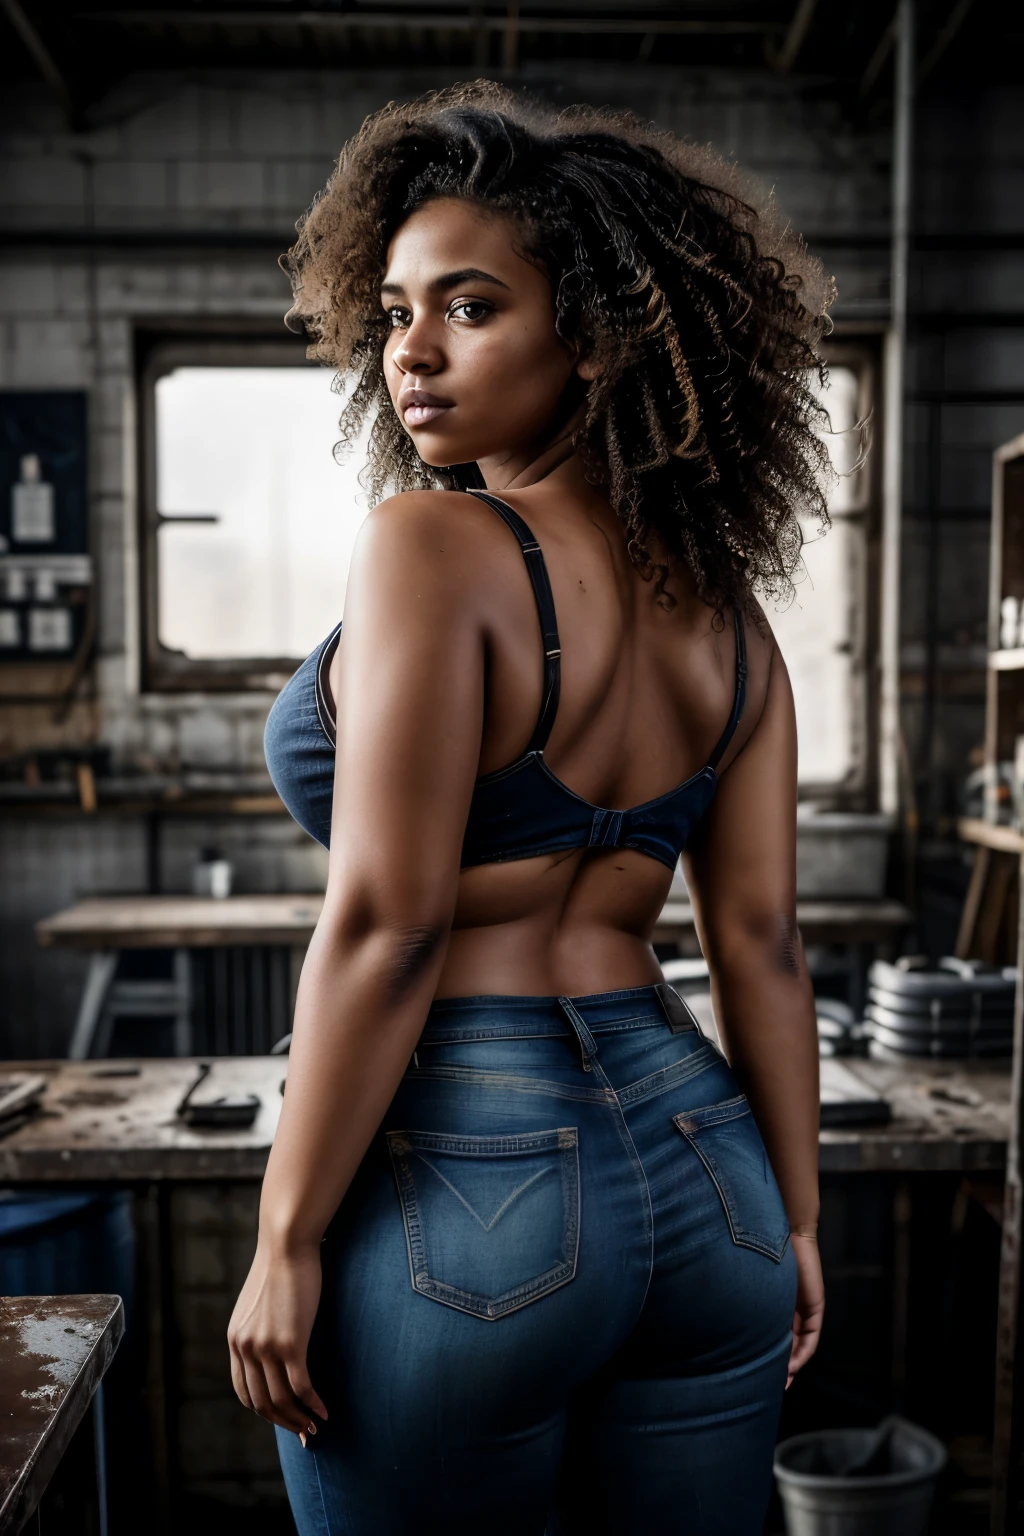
x,y
54,1352
194,922
820,922
114,1121
947,1117
172,922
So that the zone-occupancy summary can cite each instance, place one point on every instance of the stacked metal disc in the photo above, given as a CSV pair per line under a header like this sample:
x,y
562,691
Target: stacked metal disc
x,y
959,1008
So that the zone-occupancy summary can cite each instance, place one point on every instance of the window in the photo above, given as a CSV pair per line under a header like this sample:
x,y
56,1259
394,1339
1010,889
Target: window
x,y
250,524
826,634
250,521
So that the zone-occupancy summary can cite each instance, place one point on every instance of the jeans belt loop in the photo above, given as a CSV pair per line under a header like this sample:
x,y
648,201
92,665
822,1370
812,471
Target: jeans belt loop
x,y
588,1045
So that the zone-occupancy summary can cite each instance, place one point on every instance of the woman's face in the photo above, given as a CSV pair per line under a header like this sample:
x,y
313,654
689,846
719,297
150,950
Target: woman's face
x,y
473,363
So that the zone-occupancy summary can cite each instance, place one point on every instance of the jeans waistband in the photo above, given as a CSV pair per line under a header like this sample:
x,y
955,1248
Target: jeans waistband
x,y
498,1017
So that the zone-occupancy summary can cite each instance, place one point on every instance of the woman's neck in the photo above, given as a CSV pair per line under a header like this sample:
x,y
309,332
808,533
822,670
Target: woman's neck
x,y
516,469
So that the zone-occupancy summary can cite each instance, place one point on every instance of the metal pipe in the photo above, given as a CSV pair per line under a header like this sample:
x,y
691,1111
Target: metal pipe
x,y
894,386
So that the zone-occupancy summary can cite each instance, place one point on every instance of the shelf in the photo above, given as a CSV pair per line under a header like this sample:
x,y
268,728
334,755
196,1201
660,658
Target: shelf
x,y
193,795
988,834
1007,661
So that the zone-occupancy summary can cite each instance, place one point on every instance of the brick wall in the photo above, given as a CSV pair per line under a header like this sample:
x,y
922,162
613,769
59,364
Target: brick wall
x,y
225,1457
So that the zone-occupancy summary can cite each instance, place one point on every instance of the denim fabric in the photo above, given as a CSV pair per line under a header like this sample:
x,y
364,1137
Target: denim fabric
x,y
516,812
558,1296
522,809
299,754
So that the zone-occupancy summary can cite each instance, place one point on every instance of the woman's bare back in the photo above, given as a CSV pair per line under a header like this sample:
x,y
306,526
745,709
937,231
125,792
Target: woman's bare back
x,y
647,683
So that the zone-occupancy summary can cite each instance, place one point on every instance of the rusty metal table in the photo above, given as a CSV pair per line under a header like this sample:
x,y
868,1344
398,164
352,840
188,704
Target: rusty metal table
x,y
54,1353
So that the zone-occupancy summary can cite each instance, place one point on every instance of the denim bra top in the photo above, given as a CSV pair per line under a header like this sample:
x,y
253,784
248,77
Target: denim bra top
x,y
516,812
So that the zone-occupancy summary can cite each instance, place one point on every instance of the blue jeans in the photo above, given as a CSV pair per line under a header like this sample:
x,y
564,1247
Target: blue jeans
x,y
558,1296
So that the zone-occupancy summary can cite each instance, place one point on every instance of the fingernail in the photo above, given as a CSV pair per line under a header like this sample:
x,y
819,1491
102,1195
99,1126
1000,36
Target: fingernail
x,y
302,1439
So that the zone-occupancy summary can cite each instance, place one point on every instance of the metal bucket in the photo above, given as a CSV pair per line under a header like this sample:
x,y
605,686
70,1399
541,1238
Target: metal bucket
x,y
859,1482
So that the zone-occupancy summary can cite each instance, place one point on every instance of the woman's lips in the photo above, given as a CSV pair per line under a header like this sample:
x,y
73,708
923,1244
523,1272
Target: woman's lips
x,y
418,414
419,407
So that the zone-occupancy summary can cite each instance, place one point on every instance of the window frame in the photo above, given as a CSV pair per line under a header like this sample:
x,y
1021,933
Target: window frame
x,y
159,349
859,347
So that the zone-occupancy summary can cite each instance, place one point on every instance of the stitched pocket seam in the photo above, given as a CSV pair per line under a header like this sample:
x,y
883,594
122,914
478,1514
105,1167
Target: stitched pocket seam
x,y
690,1124
483,1079
679,1072
563,1141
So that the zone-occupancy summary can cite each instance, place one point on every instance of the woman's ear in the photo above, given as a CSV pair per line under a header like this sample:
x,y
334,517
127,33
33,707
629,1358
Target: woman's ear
x,y
588,368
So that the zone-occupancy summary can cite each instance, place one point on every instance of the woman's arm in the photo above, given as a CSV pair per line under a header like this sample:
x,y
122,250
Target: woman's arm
x,y
410,712
741,872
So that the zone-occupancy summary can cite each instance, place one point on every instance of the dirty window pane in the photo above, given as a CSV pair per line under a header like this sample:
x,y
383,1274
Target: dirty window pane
x,y
820,633
253,447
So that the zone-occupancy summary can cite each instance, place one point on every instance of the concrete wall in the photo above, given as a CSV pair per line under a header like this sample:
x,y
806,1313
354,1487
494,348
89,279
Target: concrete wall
x,y
236,154
168,156
172,156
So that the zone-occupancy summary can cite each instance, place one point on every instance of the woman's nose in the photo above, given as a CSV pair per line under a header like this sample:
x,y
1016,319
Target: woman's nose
x,y
417,351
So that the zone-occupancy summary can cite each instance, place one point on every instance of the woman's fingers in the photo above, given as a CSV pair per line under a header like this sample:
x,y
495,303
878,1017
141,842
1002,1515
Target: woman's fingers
x,y
810,1305
238,1379
265,1386
290,1413
806,1337
303,1389
268,1390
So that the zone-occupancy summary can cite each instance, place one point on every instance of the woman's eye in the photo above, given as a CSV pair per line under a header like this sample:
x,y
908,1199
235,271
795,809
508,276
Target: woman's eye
x,y
470,309
398,317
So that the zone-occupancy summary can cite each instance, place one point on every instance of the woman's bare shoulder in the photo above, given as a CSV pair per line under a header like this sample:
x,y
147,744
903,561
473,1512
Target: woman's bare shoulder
x,y
445,541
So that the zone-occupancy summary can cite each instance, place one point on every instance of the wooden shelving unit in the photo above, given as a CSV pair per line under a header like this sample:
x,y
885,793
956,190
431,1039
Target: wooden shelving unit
x,y
1004,722
990,834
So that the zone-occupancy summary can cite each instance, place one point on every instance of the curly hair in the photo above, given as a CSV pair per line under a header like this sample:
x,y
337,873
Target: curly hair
x,y
702,311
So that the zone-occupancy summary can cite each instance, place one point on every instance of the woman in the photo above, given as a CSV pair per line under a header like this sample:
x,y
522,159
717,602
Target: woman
x,y
523,1264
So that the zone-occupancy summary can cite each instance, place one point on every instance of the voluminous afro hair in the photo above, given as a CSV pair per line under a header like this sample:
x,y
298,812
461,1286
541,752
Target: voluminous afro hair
x,y
703,311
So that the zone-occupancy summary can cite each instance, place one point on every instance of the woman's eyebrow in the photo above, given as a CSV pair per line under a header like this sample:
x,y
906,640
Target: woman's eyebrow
x,y
450,280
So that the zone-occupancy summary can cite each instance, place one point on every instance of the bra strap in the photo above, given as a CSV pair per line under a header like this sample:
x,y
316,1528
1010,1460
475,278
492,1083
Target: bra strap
x,y
538,573
325,656
741,690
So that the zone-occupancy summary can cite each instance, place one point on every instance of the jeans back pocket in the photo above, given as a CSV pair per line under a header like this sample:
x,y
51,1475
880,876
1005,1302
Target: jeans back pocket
x,y
491,1222
726,1139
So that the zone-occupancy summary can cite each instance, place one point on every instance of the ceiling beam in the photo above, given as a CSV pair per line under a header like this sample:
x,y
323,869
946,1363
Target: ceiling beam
x,y
954,21
783,58
876,63
41,56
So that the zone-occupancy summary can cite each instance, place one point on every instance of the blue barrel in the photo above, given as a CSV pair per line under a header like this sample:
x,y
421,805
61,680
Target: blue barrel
x,y
67,1244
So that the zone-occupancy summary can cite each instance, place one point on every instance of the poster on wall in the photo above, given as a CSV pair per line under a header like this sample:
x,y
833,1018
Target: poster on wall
x,y
45,566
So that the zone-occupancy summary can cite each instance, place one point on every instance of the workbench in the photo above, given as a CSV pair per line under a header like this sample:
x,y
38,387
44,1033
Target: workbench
x,y
114,1121
54,1353
105,926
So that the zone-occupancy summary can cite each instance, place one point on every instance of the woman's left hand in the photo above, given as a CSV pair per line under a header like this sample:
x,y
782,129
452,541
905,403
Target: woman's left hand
x,y
269,1336
810,1302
